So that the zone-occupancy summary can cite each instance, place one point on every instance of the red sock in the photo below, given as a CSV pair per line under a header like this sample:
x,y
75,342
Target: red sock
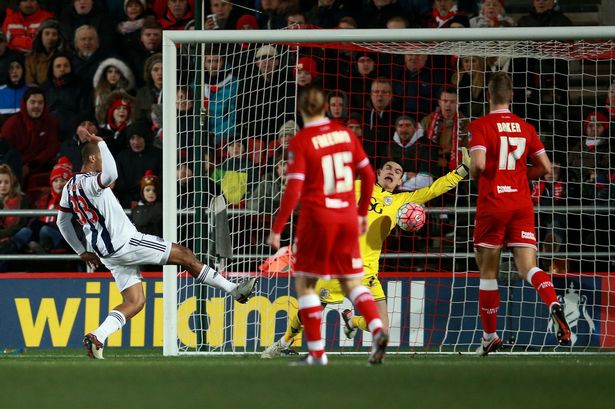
x,y
310,312
362,298
543,285
488,303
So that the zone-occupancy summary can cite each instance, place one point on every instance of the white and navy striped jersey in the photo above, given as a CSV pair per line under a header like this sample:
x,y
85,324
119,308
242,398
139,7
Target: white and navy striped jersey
x,y
97,210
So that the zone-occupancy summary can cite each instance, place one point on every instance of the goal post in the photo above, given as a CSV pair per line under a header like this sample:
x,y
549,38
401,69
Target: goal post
x,y
226,123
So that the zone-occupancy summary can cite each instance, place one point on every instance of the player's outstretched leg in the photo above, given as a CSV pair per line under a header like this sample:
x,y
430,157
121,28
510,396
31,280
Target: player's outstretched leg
x,y
93,346
560,325
244,289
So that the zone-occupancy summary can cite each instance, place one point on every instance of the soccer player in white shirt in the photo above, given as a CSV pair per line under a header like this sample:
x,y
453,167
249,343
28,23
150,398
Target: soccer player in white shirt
x,y
118,245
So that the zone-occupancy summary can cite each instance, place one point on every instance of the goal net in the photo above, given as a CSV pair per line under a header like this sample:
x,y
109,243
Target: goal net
x,y
229,112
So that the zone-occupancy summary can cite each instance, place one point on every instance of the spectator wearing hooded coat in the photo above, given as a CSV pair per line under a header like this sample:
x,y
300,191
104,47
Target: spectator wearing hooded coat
x,y
67,96
149,94
33,131
6,56
47,42
12,92
112,74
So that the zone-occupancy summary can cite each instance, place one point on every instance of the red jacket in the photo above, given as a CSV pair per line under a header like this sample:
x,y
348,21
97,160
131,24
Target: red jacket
x,y
20,30
37,140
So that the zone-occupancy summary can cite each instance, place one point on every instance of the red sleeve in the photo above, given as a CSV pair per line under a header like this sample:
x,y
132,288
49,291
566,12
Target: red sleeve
x,y
290,198
476,136
368,179
536,145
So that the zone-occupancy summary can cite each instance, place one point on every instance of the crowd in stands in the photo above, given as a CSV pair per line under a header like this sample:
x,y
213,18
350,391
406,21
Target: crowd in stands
x,y
98,64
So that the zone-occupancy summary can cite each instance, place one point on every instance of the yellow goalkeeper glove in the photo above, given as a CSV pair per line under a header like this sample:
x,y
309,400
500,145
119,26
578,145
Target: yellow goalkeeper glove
x,y
464,169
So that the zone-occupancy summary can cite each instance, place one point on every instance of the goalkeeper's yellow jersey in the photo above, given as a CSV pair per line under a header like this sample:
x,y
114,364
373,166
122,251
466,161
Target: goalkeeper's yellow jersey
x,y
383,211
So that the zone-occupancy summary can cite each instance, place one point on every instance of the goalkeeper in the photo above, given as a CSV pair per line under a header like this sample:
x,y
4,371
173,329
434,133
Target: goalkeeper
x,y
381,219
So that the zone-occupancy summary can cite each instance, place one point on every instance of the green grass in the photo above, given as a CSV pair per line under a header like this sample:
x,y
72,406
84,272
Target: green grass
x,y
145,379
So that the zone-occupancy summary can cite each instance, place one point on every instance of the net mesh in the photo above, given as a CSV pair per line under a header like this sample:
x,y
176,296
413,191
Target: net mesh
x,y
236,112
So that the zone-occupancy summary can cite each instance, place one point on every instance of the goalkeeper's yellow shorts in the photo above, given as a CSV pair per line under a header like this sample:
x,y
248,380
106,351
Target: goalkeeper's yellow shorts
x,y
330,291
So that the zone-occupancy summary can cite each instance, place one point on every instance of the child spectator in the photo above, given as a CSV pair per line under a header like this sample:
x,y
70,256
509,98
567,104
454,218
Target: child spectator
x,y
11,198
135,16
306,73
492,14
147,215
115,115
338,108
44,233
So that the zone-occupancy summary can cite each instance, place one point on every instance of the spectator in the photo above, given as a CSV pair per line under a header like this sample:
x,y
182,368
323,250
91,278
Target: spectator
x,y
441,15
33,131
355,125
609,107
458,21
6,56
247,22
416,153
359,79
378,12
271,16
71,148
266,197
347,23
67,97
396,22
226,16
88,54
378,117
590,161
219,93
419,85
280,144
492,14
338,106
10,156
11,198
544,13
48,40
149,93
178,14
188,130
42,234
326,13
137,51
470,83
88,13
134,161
185,187
114,115
266,91
446,129
550,191
112,75
306,73
12,92
21,25
296,19
156,118
147,215
129,28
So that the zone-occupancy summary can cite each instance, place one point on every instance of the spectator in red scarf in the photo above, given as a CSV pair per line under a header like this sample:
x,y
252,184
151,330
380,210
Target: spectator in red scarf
x,y
115,115
22,24
33,131
178,14
439,17
444,128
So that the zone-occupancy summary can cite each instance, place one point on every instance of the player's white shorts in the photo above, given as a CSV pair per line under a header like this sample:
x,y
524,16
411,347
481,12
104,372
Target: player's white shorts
x,y
140,250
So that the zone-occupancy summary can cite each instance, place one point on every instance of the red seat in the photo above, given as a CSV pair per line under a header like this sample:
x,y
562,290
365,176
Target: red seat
x,y
34,193
40,179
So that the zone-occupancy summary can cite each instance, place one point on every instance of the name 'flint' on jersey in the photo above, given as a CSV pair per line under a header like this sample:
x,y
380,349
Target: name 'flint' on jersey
x,y
329,139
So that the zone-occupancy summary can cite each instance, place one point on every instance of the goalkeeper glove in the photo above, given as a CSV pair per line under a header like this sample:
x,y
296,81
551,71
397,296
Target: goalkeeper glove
x,y
464,169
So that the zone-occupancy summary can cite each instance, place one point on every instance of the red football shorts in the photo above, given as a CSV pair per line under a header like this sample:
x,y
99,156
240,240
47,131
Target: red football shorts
x,y
328,249
513,228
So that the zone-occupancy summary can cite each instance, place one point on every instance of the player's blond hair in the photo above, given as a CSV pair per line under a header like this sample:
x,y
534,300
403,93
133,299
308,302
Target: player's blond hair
x,y
312,101
500,88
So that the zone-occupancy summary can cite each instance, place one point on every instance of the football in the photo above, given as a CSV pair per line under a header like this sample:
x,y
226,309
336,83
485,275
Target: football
x,y
411,217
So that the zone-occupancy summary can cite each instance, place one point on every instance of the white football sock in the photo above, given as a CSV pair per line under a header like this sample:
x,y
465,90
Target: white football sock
x,y
211,277
114,322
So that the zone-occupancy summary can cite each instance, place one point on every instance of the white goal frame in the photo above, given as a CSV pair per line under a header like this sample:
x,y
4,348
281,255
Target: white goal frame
x,y
172,38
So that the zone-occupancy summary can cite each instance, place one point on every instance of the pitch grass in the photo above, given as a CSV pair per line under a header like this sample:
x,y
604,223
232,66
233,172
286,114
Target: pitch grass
x,y
65,378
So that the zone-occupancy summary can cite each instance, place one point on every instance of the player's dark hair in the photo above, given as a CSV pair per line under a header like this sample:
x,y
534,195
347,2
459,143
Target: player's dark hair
x,y
394,160
312,101
500,88
88,149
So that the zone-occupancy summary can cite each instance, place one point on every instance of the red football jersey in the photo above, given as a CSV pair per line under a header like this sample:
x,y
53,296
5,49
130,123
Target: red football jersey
x,y
507,141
326,155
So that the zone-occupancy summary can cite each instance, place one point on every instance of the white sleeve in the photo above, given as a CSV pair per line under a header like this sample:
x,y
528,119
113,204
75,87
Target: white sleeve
x,y
109,168
68,232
